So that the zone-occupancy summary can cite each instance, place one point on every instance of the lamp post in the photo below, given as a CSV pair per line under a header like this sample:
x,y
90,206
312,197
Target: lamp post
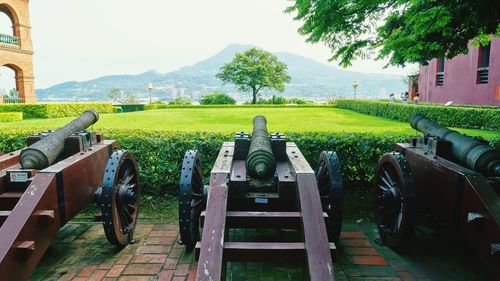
x,y
355,86
150,88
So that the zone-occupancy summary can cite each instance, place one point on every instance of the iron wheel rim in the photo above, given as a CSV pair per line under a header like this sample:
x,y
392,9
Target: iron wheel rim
x,y
120,198
330,187
191,202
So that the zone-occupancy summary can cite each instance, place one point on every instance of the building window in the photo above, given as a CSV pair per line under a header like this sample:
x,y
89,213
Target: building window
x,y
483,64
440,72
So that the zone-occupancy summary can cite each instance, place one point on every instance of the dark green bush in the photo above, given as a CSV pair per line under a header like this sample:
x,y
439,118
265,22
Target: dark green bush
x,y
159,154
11,116
217,98
55,110
132,107
450,116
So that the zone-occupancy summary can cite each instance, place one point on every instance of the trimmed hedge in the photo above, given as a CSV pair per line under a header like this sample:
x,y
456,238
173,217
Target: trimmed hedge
x,y
55,110
450,116
165,106
132,107
160,154
11,116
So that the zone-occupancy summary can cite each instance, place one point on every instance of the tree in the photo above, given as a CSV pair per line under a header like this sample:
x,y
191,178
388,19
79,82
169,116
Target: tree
x,y
13,93
130,98
402,30
217,98
255,70
181,101
116,94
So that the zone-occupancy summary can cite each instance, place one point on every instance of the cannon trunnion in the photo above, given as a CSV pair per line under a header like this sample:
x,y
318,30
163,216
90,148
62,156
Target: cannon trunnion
x,y
60,175
261,182
453,175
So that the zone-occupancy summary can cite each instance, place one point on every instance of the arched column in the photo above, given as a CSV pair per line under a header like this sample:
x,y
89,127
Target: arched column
x,y
19,56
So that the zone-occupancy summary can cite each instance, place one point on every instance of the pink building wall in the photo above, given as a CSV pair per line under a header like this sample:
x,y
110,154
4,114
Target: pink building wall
x,y
460,79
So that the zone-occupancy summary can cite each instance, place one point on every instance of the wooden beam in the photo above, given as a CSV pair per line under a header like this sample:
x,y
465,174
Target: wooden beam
x,y
210,262
265,251
319,258
269,220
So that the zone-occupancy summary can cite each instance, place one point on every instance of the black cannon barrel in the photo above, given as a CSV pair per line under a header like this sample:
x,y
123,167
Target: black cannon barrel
x,y
467,150
260,160
44,152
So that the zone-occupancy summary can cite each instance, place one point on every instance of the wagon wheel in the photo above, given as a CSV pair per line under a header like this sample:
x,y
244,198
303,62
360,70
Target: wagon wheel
x,y
395,201
119,198
330,188
191,199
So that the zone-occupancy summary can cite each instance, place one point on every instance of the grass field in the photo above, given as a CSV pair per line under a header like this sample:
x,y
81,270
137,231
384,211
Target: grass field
x,y
240,119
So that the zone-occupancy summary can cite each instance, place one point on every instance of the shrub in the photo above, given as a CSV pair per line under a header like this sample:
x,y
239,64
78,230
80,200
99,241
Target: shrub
x,y
132,107
450,116
217,98
282,100
159,154
181,101
55,110
11,116
155,106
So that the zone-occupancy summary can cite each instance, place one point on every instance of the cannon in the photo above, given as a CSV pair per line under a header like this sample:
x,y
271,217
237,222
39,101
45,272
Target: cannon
x,y
455,176
45,185
261,182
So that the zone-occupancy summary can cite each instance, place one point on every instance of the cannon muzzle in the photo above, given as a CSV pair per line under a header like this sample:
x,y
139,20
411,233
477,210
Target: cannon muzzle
x,y
467,150
44,152
260,160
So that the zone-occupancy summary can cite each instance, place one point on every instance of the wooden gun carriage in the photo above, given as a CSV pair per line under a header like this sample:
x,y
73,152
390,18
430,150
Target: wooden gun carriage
x,y
44,186
261,182
456,176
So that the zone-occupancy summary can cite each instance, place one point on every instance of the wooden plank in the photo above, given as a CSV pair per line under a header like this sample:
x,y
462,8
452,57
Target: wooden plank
x,y
212,242
285,172
239,171
9,159
265,251
266,220
297,160
224,159
319,258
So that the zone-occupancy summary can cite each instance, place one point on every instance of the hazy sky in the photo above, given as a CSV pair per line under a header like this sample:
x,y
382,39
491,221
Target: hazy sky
x,y
82,40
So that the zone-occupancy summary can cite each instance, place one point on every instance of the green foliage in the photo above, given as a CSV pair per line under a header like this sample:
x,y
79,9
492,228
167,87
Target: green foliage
x,y
55,110
282,100
160,154
130,98
11,116
181,101
450,116
132,107
116,94
217,98
155,106
404,31
255,70
13,93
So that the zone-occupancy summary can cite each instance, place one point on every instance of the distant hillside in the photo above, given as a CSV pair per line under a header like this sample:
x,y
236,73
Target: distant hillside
x,y
310,79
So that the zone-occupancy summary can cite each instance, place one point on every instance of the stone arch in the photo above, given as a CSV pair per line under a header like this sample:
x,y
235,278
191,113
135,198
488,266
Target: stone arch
x,y
14,18
8,79
16,50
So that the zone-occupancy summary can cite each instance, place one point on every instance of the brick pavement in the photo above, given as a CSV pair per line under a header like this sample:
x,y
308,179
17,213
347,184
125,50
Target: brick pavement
x,y
81,252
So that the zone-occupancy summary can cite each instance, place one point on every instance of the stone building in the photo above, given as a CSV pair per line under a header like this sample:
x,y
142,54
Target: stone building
x,y
466,79
16,49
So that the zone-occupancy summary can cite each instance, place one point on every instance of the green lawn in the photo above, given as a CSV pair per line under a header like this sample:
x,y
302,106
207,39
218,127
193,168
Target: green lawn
x,y
234,119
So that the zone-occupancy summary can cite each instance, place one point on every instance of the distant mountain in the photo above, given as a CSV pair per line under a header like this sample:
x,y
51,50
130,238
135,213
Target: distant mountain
x,y
310,79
